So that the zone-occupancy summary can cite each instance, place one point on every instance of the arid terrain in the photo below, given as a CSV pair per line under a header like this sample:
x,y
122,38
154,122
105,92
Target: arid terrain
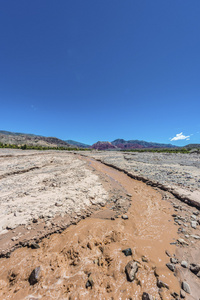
x,y
104,225
178,173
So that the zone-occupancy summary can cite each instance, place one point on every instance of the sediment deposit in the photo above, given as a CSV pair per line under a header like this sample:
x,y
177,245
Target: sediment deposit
x,y
90,231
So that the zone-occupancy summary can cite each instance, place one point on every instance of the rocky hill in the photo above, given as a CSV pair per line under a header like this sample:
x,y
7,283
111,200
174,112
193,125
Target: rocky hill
x,y
15,138
191,146
131,144
103,146
137,144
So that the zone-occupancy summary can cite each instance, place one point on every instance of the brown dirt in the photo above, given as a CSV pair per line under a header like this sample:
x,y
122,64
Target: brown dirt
x,y
95,246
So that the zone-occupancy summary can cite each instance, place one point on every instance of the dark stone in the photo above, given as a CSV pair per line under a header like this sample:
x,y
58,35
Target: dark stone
x,y
90,282
34,246
167,252
171,267
194,268
173,260
35,276
8,255
175,295
127,251
161,284
147,296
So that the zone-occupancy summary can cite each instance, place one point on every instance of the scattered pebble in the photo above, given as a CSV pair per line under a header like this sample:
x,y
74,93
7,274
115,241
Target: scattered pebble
x,y
182,293
127,252
35,276
124,217
90,282
171,267
147,296
131,269
173,260
184,264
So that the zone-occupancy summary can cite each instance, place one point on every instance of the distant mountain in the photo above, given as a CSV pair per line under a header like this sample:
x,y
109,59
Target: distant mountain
x,y
78,144
103,146
15,138
192,146
137,144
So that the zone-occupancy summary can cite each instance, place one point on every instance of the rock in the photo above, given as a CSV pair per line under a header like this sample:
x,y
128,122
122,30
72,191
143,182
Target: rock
x,y
182,241
131,269
90,282
194,224
171,267
175,295
127,251
144,259
35,276
161,284
186,287
58,204
196,213
173,260
147,296
184,264
167,252
125,217
198,274
182,294
194,268
197,237
34,246
193,217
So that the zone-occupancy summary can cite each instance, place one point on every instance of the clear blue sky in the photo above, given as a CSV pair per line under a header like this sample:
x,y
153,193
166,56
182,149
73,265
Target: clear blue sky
x,y
100,70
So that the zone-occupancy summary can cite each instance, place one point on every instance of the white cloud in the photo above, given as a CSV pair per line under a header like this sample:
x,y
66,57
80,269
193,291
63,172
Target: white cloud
x,y
180,136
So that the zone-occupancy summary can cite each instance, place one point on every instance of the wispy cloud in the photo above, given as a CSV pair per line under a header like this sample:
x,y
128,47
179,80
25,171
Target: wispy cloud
x,y
180,136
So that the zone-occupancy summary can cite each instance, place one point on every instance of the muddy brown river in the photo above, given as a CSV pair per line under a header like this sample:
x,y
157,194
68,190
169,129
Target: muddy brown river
x,y
93,249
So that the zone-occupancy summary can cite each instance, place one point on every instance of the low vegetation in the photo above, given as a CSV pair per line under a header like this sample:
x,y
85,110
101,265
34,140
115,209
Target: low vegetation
x,y
176,150
31,147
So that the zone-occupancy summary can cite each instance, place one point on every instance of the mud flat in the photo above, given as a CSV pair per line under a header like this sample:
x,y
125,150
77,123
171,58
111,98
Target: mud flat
x,y
86,260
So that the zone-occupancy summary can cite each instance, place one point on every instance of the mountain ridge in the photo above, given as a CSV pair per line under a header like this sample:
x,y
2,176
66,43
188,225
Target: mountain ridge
x,y
16,138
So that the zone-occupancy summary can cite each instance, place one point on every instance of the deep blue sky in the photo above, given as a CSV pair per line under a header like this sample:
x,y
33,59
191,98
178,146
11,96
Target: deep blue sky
x,y
100,70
